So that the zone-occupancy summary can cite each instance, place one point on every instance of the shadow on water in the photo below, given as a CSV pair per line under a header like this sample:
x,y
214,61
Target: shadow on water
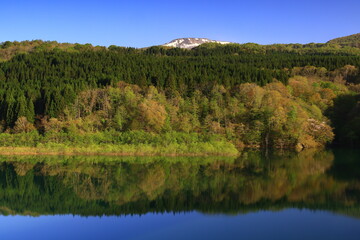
x,y
346,164
93,186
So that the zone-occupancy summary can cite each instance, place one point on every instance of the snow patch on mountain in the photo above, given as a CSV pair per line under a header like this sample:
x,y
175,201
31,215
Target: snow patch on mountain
x,y
191,42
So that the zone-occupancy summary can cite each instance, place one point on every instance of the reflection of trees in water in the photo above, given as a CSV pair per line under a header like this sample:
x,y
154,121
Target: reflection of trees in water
x,y
138,185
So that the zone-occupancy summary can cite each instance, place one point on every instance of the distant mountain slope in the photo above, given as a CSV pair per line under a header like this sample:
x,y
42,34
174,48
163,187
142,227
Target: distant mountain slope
x,y
9,49
351,41
348,46
190,42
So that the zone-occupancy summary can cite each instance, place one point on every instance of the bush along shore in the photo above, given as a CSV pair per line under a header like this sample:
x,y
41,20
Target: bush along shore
x,y
135,143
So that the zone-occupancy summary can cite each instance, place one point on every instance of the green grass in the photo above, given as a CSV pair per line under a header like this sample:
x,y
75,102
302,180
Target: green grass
x,y
136,143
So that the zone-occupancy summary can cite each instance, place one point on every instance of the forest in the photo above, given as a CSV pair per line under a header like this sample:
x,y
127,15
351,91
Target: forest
x,y
212,99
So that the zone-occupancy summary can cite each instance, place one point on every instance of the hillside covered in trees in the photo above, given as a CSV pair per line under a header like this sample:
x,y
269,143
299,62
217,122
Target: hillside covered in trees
x,y
350,41
282,96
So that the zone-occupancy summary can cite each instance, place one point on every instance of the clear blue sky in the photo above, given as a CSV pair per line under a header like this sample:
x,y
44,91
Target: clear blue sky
x,y
144,23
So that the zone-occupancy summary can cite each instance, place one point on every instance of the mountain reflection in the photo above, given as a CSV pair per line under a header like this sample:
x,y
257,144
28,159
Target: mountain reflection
x,y
135,185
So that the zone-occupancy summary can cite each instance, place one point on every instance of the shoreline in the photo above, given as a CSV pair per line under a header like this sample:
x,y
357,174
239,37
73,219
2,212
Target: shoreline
x,y
86,151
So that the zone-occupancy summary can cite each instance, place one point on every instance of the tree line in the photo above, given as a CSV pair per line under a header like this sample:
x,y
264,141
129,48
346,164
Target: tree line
x,y
253,97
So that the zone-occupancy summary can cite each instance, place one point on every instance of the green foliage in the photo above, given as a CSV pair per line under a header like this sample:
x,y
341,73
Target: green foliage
x,y
252,95
24,139
118,143
345,118
350,41
245,115
50,80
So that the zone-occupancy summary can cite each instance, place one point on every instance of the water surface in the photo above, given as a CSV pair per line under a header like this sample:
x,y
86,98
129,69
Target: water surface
x,y
283,195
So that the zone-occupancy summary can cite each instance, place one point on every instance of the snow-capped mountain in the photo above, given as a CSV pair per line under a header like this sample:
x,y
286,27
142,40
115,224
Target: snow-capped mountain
x,y
190,42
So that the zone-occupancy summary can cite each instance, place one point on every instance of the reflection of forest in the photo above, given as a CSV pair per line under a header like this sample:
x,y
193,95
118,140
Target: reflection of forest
x,y
113,186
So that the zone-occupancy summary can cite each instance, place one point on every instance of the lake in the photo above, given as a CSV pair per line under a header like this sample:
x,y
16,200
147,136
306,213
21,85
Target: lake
x,y
314,194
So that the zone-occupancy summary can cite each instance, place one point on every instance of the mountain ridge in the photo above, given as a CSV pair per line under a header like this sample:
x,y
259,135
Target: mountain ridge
x,y
189,43
346,45
350,40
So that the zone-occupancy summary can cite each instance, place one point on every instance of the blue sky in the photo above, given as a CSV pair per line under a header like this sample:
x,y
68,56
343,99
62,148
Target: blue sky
x,y
144,23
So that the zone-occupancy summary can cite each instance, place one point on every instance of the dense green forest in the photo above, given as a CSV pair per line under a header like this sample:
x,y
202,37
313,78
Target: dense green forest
x,y
116,186
283,95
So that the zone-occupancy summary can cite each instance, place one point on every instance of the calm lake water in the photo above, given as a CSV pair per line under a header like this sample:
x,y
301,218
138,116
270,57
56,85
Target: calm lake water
x,y
283,195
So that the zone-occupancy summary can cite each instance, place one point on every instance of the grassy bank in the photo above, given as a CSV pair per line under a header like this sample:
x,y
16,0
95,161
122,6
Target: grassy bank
x,y
135,143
